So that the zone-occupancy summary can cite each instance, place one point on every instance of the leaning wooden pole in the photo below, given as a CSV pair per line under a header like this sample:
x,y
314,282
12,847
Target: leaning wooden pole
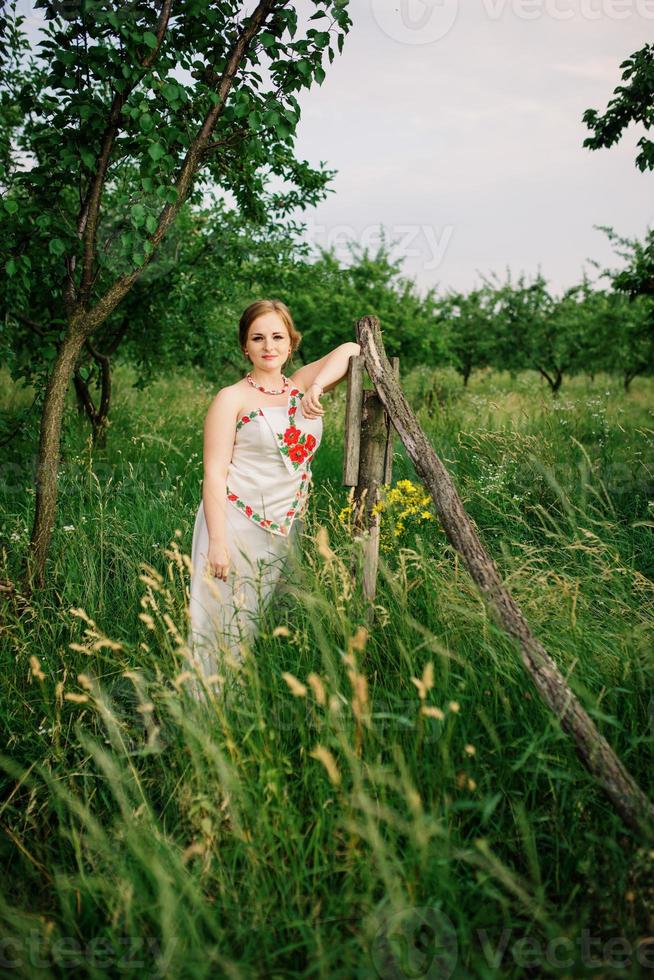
x,y
592,748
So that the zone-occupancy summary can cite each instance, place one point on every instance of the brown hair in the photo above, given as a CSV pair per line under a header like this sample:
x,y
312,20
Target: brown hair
x,y
261,306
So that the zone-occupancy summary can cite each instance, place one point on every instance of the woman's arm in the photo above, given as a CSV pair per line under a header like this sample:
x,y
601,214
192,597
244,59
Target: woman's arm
x,y
219,431
329,370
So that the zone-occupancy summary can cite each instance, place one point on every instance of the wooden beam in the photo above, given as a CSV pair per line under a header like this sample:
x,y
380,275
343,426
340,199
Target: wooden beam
x,y
353,411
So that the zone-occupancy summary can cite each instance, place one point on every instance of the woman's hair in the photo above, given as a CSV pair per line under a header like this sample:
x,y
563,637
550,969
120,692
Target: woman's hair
x,y
261,306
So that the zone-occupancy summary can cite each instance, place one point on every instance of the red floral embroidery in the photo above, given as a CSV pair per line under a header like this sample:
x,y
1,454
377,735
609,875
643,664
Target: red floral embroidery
x,y
291,436
297,446
297,454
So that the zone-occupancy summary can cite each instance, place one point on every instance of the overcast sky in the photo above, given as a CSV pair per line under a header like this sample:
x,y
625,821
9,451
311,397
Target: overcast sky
x,y
457,127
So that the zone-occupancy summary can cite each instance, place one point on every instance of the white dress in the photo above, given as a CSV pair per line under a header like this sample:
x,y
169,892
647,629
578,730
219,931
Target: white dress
x,y
267,491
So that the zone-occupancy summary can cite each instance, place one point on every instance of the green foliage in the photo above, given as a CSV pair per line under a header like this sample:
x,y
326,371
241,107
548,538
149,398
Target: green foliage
x,y
110,107
637,277
516,326
632,102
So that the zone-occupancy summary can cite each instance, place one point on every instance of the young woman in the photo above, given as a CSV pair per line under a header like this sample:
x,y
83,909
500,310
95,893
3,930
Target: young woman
x,y
260,436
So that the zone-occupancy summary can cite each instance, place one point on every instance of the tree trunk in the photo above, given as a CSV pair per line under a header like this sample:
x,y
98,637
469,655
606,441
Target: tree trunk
x,y
98,417
631,373
555,382
592,748
49,444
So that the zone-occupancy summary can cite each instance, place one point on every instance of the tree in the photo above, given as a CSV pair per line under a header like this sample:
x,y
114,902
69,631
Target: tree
x,y
149,104
522,333
637,278
633,102
630,349
625,336
472,330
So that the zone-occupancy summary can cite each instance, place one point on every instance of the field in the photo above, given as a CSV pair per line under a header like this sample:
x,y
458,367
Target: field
x,y
394,803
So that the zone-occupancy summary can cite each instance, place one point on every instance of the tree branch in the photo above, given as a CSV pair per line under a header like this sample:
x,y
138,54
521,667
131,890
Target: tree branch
x,y
87,221
29,323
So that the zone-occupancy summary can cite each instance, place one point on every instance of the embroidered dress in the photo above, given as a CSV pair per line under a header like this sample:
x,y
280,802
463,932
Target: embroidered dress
x,y
267,490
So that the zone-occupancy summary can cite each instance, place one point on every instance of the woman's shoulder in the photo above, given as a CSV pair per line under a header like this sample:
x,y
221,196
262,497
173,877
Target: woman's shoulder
x,y
229,394
223,410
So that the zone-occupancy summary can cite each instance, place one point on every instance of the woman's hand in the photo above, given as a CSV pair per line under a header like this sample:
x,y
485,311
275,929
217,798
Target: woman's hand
x,y
218,560
311,407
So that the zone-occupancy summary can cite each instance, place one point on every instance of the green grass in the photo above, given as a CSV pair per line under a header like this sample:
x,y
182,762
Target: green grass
x,y
283,834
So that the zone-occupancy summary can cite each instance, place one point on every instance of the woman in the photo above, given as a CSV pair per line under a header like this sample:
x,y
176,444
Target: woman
x,y
260,436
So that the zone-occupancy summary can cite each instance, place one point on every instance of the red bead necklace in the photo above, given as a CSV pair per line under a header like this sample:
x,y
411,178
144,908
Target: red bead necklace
x,y
267,391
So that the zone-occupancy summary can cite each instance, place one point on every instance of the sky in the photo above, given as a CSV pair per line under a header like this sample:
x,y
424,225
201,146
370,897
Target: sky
x,y
457,129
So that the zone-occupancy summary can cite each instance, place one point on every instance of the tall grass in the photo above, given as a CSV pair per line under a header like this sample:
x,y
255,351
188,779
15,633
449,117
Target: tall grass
x,y
386,803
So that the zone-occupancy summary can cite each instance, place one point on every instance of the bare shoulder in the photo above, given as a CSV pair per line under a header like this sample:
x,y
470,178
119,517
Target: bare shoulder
x,y
225,403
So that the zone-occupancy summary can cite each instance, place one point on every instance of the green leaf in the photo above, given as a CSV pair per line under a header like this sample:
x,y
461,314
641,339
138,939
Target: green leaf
x,y
150,39
146,122
320,75
10,267
267,39
156,151
56,246
170,92
88,157
138,214
150,224
242,106
11,207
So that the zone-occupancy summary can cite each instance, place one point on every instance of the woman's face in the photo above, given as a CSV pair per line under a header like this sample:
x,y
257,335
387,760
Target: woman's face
x,y
268,343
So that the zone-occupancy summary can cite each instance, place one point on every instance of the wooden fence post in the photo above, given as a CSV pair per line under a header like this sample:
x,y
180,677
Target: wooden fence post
x,y
367,464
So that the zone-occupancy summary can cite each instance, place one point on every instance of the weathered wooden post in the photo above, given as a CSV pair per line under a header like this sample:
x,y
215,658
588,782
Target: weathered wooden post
x,y
367,464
